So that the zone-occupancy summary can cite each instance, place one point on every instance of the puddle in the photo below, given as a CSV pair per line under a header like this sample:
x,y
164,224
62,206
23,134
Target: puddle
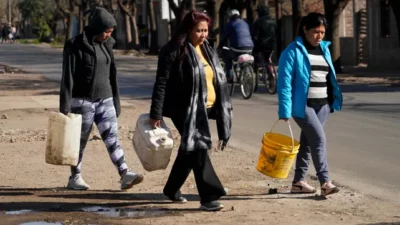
x,y
19,212
40,223
129,212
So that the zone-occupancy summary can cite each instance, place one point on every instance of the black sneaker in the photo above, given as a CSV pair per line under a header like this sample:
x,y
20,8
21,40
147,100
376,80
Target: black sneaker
x,y
211,206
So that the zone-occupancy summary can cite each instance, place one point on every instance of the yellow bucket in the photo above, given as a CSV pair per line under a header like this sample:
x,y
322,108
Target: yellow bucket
x,y
278,153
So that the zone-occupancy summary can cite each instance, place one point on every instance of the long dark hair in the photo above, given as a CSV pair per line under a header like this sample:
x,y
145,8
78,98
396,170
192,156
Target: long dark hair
x,y
190,20
312,20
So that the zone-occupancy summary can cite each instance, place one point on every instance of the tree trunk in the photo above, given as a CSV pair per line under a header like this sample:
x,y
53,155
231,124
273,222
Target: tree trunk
x,y
178,11
333,13
81,21
70,24
222,17
135,33
128,33
153,28
214,6
192,5
252,12
278,17
131,34
297,14
395,4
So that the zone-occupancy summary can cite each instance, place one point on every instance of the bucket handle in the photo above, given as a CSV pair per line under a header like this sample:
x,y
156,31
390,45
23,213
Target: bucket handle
x,y
290,129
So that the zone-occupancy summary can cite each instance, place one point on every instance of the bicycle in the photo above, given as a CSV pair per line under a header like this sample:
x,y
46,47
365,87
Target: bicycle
x,y
243,74
267,73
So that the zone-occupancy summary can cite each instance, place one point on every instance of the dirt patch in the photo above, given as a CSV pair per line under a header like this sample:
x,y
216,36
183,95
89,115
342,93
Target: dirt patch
x,y
31,190
386,81
26,85
7,69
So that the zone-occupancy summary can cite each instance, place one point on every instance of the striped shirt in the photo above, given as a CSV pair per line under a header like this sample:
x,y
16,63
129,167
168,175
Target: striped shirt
x,y
318,90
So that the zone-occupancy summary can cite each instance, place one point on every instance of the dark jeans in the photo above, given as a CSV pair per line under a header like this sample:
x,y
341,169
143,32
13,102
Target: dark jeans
x,y
231,55
312,143
207,181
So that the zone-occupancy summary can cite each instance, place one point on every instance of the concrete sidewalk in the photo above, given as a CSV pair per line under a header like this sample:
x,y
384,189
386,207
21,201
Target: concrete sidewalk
x,y
34,102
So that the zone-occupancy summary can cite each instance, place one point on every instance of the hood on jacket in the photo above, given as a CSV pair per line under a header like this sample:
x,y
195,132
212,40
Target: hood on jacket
x,y
100,20
263,11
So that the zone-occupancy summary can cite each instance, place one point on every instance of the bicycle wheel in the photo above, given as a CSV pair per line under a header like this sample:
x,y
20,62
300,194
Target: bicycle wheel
x,y
247,81
270,79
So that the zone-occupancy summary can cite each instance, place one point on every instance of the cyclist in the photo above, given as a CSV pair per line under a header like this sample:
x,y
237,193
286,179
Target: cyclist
x,y
237,32
264,30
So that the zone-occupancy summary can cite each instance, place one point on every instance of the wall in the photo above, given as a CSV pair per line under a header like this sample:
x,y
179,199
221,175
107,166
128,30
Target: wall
x,y
384,52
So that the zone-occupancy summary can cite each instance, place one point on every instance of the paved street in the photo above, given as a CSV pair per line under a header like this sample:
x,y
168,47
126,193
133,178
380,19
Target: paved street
x,y
363,140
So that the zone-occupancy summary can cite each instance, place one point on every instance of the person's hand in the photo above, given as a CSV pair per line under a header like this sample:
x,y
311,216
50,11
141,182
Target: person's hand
x,y
155,123
221,145
284,119
65,113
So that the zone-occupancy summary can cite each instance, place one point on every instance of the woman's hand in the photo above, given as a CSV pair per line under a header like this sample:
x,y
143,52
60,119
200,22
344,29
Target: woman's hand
x,y
284,119
155,123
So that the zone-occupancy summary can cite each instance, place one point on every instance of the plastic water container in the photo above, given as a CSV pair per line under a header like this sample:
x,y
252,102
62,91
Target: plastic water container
x,y
153,146
63,139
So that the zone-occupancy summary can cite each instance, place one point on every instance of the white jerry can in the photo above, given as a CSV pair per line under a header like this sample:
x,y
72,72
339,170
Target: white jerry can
x,y
63,139
153,146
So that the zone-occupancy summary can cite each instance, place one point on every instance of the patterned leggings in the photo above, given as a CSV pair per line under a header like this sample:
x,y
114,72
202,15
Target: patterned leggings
x,y
102,112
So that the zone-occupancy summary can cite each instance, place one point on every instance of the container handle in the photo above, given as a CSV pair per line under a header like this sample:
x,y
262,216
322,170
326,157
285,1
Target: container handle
x,y
290,129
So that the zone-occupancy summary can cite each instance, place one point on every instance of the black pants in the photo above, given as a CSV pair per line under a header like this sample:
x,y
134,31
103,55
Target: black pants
x,y
207,181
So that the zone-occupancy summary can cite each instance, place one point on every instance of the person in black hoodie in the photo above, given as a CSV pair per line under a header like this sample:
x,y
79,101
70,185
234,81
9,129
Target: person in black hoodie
x,y
89,87
264,31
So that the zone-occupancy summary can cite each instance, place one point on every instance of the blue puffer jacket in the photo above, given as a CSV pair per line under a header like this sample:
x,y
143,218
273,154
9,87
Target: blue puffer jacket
x,y
238,33
294,80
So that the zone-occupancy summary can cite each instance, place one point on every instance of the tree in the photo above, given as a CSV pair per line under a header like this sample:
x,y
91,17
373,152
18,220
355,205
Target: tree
x,y
179,12
252,11
128,9
214,6
14,12
68,11
333,11
297,14
83,7
2,10
395,4
42,14
153,28
278,18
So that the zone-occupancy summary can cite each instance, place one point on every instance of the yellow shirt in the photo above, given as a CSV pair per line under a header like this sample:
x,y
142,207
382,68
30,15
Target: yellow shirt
x,y
209,77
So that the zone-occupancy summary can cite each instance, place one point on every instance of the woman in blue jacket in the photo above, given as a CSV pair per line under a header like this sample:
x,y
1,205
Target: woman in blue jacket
x,y
308,92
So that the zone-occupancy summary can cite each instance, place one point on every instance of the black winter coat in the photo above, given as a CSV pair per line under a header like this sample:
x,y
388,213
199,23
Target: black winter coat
x,y
79,72
173,87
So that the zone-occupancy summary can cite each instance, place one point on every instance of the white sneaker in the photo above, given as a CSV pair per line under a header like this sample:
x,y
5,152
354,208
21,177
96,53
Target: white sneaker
x,y
77,183
129,179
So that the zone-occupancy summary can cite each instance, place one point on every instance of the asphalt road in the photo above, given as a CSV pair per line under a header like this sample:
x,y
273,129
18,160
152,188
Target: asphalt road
x,y
363,139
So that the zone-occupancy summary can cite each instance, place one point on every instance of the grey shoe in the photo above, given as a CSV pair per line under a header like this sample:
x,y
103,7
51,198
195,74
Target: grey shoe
x,y
129,179
211,206
76,182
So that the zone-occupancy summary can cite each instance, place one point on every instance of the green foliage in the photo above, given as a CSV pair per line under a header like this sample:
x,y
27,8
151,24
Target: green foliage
x,y
58,42
41,13
28,41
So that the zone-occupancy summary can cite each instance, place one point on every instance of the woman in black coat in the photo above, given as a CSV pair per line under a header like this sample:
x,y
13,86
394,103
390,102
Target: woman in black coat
x,y
191,88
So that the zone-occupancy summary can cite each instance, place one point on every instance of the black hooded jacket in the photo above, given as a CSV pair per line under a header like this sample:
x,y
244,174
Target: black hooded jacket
x,y
264,30
79,62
